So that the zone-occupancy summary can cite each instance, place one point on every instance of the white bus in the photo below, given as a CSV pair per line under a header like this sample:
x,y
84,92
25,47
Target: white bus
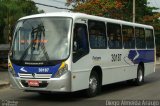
x,y
67,52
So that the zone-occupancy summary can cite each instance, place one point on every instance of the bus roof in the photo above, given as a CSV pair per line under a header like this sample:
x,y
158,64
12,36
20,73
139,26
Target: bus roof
x,y
84,16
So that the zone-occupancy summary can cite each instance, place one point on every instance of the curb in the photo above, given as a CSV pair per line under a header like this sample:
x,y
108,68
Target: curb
x,y
4,84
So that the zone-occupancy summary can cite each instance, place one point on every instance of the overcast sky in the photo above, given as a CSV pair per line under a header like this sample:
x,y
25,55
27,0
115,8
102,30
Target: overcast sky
x,y
61,3
57,3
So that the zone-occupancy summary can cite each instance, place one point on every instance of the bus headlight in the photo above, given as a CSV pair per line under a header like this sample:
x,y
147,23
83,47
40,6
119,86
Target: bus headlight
x,y
10,68
62,70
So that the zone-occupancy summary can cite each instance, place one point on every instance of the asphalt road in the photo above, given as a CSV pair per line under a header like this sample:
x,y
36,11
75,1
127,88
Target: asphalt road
x,y
150,90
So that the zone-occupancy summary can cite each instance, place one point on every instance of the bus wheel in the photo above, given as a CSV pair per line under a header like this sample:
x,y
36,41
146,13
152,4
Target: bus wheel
x,y
140,76
94,85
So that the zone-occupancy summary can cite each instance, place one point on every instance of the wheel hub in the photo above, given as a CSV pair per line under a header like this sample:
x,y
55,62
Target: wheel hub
x,y
93,84
140,76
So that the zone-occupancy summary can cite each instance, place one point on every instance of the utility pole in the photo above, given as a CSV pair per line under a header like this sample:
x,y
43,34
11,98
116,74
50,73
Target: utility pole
x,y
134,10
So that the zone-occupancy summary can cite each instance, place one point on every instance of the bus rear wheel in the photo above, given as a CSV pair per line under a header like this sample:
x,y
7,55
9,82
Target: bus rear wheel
x,y
94,85
140,76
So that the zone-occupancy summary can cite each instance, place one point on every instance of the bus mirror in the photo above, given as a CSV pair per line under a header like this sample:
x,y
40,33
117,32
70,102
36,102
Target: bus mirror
x,y
75,46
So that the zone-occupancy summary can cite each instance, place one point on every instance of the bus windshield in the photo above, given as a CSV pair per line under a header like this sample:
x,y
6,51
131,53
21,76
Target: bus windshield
x,y
41,39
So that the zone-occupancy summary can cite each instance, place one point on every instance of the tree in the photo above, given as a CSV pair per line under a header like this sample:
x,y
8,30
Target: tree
x,y
2,21
118,9
144,13
11,11
105,8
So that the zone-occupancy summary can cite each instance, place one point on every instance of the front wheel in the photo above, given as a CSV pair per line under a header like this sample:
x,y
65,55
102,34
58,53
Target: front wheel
x,y
94,85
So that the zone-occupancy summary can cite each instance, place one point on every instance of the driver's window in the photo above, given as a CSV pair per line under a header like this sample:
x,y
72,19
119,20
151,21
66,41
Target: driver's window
x,y
80,41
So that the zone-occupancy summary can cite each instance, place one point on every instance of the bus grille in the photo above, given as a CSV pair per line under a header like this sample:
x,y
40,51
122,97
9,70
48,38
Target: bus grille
x,y
34,75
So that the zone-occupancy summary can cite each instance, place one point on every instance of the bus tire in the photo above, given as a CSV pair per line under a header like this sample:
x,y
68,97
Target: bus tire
x,y
94,85
140,76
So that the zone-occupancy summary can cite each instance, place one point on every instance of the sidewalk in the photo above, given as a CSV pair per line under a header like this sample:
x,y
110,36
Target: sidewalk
x,y
4,78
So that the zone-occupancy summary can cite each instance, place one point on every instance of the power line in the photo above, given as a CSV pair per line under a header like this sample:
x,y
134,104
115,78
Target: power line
x,y
157,6
151,3
156,3
58,1
53,6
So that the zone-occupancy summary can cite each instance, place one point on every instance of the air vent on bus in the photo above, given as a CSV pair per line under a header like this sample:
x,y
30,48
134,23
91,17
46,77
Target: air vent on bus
x,y
34,75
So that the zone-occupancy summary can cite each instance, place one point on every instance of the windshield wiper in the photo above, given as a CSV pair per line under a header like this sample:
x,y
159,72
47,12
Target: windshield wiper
x,y
41,30
43,46
29,46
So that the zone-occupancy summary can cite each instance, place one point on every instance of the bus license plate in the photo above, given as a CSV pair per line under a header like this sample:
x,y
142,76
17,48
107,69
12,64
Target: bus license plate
x,y
33,83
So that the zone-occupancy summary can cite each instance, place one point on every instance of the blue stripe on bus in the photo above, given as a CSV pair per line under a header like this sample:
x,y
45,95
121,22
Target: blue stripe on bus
x,y
137,56
39,70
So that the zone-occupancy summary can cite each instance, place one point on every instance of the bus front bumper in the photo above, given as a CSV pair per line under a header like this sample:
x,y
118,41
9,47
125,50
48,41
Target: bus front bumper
x,y
62,84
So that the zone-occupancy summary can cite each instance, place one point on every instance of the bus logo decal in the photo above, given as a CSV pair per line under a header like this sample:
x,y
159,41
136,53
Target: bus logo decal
x,y
95,58
136,55
33,74
22,69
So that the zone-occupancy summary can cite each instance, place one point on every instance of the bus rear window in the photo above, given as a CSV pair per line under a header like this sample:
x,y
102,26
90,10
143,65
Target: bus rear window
x,y
149,38
140,38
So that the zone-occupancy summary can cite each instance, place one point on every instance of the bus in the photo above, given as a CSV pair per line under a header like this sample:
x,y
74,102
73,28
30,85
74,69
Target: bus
x,y
68,52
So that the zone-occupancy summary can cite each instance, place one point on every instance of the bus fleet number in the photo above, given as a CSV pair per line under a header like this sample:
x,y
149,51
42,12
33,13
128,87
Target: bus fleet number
x,y
116,57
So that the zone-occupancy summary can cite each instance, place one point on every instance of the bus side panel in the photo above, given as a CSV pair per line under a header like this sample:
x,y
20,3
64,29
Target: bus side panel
x,y
80,80
113,75
118,66
132,71
80,73
149,68
147,57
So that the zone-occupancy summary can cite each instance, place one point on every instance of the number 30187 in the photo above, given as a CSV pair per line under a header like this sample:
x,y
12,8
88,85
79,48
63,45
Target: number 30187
x,y
116,57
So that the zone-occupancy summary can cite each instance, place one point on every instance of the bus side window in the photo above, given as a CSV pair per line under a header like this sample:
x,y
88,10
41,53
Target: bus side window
x,y
128,37
80,42
149,38
140,38
115,37
97,34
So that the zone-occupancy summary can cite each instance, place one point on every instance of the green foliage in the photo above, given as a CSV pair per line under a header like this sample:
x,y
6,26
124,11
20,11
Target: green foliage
x,y
141,10
119,9
11,11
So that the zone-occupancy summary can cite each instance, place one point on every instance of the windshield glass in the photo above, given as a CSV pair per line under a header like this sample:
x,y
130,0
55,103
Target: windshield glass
x,y
41,39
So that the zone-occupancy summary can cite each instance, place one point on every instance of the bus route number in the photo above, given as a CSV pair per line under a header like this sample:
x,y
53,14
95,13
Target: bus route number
x,y
116,57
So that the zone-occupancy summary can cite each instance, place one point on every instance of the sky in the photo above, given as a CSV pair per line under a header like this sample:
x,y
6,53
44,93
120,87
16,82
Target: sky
x,y
61,3
58,3
155,3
